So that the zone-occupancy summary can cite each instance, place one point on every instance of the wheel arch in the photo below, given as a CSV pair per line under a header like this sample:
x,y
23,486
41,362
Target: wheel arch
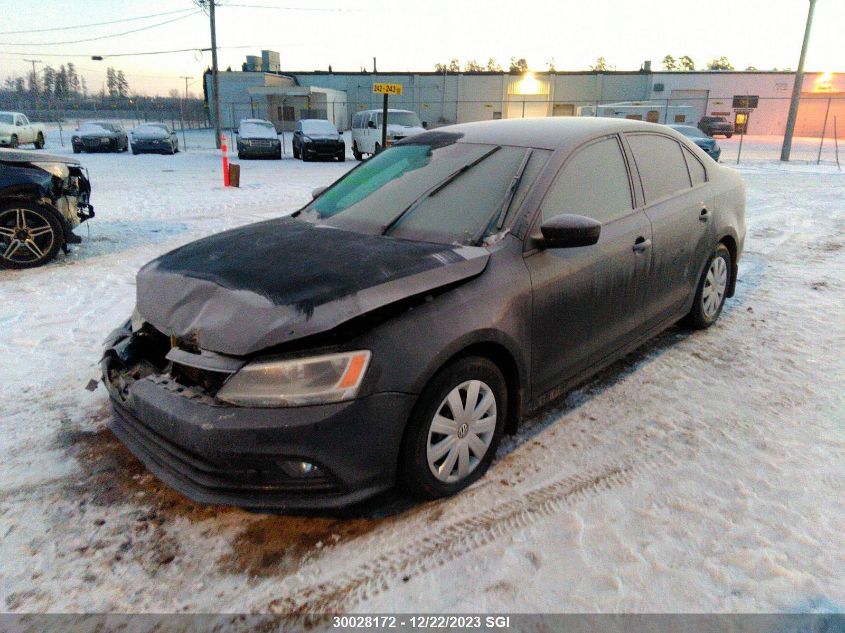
x,y
731,244
500,350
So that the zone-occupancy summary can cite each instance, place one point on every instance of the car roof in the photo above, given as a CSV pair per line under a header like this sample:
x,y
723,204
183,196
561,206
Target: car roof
x,y
255,121
382,110
312,120
547,132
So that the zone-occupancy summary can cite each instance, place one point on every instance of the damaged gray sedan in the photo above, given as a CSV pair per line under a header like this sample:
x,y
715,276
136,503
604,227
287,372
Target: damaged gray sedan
x,y
395,327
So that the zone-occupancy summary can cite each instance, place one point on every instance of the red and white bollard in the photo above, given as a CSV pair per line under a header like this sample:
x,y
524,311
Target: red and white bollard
x,y
224,147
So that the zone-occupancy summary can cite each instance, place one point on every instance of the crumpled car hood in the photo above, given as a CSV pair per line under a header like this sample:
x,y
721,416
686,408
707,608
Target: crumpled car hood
x,y
264,284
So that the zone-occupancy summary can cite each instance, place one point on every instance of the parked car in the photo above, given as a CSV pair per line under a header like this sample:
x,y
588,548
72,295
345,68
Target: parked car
x,y
153,137
42,199
15,130
713,125
708,145
414,311
367,129
317,138
99,136
258,138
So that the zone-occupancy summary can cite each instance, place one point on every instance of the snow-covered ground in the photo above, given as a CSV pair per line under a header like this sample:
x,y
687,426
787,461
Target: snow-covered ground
x,y
705,472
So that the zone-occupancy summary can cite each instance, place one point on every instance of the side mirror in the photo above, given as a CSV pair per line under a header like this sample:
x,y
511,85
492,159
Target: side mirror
x,y
318,191
371,125
425,125
569,231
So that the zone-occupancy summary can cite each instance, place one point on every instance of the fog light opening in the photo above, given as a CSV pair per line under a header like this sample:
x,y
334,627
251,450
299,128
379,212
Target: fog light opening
x,y
299,469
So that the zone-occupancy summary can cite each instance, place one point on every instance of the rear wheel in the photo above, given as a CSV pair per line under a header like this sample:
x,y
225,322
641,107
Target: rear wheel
x,y
712,290
29,235
357,154
452,435
39,141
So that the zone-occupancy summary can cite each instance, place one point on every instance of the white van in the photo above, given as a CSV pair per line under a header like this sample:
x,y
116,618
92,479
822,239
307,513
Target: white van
x,y
367,125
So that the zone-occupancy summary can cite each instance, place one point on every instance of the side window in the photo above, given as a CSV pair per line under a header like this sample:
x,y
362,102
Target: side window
x,y
696,169
661,164
24,120
594,183
356,121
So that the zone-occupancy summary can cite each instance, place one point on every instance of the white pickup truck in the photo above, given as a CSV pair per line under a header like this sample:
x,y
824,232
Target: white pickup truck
x,y
15,129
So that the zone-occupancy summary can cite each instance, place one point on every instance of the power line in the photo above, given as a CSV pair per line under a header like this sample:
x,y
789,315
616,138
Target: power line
x,y
278,8
104,37
88,55
82,26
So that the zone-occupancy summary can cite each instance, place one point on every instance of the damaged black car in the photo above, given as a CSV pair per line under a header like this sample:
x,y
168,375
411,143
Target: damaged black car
x,y
396,326
42,199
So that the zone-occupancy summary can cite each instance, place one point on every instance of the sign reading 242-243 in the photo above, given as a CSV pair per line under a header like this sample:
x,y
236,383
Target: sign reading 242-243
x,y
387,89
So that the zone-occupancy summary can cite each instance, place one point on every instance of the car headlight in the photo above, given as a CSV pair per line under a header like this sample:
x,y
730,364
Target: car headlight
x,y
59,170
75,139
307,139
246,142
104,139
298,381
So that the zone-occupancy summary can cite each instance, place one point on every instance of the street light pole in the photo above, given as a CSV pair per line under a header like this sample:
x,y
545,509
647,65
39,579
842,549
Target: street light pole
x,y
796,88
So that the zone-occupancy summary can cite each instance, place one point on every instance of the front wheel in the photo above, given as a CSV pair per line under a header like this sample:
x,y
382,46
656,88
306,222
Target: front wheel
x,y
13,142
29,235
712,290
453,432
357,154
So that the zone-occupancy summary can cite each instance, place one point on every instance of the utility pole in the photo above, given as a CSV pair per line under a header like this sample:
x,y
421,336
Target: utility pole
x,y
214,80
182,110
796,88
34,80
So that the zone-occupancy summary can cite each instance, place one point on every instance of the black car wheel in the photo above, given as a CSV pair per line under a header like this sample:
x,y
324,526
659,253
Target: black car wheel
x,y
13,142
39,141
295,151
454,430
134,151
29,235
712,290
358,155
341,157
76,150
728,135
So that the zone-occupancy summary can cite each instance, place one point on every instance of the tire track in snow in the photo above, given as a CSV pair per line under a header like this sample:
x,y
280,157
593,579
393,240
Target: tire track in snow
x,y
452,542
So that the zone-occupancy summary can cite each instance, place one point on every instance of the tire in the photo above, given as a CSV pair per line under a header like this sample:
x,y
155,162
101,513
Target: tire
x,y
241,155
707,306
376,149
39,247
13,142
295,153
134,151
39,141
728,135
279,155
358,155
460,379
341,157
76,150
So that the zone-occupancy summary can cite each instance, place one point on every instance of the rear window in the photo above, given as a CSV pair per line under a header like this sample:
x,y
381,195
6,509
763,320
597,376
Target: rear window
x,y
661,163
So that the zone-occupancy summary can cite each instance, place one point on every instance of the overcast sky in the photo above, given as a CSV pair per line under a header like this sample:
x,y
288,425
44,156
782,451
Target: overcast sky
x,y
410,35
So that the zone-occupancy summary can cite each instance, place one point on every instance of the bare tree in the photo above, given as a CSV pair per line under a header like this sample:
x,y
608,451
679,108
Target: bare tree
x,y
493,66
550,65
454,66
473,66
600,66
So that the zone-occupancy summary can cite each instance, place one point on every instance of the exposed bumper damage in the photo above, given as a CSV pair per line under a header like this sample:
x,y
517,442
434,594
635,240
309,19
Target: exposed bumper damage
x,y
194,330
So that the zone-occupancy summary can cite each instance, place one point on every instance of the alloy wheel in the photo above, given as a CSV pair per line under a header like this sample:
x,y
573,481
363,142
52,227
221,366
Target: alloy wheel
x,y
461,431
715,285
26,236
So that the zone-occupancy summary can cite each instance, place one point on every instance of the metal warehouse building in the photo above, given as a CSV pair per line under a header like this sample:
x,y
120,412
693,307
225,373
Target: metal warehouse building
x,y
757,102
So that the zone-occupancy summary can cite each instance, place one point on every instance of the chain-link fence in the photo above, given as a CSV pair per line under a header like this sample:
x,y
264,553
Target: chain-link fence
x,y
745,126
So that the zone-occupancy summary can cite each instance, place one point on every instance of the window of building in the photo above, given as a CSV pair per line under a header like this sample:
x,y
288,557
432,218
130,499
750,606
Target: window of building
x,y
634,117
680,118
661,164
653,116
594,183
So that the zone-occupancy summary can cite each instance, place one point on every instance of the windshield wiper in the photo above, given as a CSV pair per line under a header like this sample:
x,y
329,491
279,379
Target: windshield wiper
x,y
507,200
437,188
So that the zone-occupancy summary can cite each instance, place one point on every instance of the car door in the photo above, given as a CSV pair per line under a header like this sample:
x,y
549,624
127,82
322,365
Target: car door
x,y
24,130
587,300
680,218
297,135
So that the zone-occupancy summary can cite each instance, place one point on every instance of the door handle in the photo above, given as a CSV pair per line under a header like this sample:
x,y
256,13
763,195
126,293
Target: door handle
x,y
704,215
641,244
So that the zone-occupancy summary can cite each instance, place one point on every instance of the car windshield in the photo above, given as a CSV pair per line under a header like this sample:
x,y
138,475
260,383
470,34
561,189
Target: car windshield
x,y
688,130
257,129
405,119
318,127
440,191
153,127
96,125
7,119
